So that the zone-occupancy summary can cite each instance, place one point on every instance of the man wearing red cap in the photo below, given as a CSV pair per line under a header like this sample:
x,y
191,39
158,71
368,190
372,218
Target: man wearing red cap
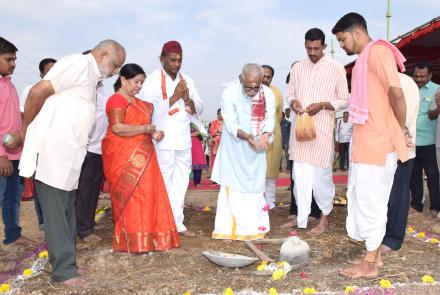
x,y
176,105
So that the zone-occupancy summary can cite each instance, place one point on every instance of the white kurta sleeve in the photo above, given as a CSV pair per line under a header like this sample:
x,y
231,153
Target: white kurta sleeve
x,y
198,102
291,87
341,91
228,109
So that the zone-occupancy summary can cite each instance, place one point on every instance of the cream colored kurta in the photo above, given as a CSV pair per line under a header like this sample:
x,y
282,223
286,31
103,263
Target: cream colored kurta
x,y
274,150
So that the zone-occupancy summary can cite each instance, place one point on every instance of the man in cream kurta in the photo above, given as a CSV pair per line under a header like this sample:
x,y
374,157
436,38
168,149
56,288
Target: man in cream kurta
x,y
318,87
58,117
176,104
240,166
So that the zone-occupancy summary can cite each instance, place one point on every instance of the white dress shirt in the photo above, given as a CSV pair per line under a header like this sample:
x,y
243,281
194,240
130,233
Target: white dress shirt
x,y
344,130
412,99
176,127
59,134
101,121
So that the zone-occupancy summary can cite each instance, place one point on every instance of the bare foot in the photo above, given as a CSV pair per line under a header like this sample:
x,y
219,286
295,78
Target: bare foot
x,y
24,241
384,249
188,233
379,262
361,270
320,228
289,224
92,238
433,214
75,282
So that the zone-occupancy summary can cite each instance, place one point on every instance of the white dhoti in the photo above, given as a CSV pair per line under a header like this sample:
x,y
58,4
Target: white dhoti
x,y
368,192
269,195
240,216
175,166
308,179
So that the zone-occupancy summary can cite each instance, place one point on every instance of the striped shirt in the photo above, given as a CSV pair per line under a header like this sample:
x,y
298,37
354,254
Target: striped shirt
x,y
310,82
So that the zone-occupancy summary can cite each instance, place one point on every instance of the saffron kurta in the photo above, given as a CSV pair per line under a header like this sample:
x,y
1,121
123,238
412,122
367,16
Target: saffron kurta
x,y
274,151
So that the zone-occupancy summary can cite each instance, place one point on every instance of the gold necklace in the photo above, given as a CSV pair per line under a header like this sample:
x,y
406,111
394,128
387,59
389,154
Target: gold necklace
x,y
126,96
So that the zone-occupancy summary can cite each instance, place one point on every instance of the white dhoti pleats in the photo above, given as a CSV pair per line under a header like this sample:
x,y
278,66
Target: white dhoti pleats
x,y
240,216
307,179
270,192
367,201
175,166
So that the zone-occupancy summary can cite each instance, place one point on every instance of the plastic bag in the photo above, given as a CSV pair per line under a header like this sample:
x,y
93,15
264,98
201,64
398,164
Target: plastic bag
x,y
305,128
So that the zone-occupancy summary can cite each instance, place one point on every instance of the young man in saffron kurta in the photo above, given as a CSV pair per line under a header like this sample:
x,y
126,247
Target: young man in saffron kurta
x,y
378,111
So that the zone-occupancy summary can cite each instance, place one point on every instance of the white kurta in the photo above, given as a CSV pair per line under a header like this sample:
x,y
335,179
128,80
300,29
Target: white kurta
x,y
174,151
59,134
242,212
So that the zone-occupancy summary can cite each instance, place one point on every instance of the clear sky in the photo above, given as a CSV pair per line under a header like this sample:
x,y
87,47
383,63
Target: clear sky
x,y
217,36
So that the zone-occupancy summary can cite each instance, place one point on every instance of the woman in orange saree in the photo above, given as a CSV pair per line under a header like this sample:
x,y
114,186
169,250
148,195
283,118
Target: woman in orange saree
x,y
141,210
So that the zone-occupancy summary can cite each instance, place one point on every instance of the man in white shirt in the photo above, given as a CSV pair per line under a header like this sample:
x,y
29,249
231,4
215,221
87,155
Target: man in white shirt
x,y
44,66
398,204
92,172
176,104
344,129
58,116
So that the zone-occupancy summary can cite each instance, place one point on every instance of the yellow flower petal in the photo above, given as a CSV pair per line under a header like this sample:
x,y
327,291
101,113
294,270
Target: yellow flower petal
x,y
261,267
273,291
278,274
385,284
43,254
4,288
186,293
421,235
206,209
281,204
229,291
434,241
349,289
264,262
427,279
27,272
309,290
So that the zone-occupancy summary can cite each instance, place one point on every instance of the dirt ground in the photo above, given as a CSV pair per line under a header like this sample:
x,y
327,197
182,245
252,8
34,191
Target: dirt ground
x,y
185,269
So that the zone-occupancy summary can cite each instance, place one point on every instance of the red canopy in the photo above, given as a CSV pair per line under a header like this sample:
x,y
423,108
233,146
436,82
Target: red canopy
x,y
421,43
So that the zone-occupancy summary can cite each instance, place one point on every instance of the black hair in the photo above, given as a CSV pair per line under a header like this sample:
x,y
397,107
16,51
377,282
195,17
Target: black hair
x,y
219,111
315,34
45,62
424,65
128,71
6,46
86,52
348,22
270,68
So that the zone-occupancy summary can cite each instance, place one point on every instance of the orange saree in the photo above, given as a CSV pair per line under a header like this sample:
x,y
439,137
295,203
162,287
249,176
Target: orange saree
x,y
214,130
141,210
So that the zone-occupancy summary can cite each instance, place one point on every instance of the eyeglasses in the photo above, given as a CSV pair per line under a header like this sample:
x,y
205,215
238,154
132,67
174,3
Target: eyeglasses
x,y
249,88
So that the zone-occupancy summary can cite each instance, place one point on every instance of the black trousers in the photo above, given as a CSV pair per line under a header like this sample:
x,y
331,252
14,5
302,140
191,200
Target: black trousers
x,y
197,176
343,154
398,206
314,212
89,187
426,159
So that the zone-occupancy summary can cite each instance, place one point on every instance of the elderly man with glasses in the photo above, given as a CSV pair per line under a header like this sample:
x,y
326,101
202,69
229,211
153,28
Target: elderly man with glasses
x,y
248,110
